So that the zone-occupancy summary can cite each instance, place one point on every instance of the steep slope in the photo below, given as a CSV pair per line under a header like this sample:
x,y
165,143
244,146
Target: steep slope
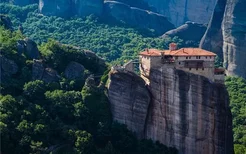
x,y
186,111
226,35
180,11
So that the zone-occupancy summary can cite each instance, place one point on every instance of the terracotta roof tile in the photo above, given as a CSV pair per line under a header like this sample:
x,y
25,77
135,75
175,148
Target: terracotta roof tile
x,y
151,52
179,52
189,52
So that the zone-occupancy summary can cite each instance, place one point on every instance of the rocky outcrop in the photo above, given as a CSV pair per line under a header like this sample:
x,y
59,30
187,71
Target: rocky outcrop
x,y
8,67
68,8
74,70
40,72
212,39
191,33
234,37
226,35
6,22
180,11
138,17
186,111
130,100
29,48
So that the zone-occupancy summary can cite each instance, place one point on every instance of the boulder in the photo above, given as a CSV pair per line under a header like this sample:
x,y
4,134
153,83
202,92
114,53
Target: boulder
x,y
6,22
189,32
137,17
74,70
8,67
39,72
29,47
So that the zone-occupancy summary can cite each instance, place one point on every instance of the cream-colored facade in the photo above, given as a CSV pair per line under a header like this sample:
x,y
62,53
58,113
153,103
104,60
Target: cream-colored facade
x,y
200,65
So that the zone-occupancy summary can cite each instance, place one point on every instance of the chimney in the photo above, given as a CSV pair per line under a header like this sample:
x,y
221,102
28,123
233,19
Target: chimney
x,y
172,46
147,50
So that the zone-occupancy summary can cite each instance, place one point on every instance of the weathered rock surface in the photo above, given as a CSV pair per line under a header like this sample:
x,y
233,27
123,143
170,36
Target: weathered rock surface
x,y
186,110
6,22
190,33
212,39
138,17
234,37
61,8
226,35
29,47
39,72
74,70
87,7
8,67
180,11
68,8
129,100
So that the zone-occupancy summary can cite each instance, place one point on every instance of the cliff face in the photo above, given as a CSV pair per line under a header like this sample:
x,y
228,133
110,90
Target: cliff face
x,y
180,11
137,17
226,35
129,103
190,33
234,37
213,39
186,111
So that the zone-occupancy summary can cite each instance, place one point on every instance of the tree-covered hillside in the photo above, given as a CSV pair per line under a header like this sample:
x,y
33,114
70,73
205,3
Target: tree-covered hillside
x,y
109,39
60,111
237,92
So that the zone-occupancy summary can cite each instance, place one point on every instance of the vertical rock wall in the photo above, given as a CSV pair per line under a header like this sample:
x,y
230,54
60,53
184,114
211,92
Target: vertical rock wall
x,y
234,37
180,11
186,111
189,112
226,35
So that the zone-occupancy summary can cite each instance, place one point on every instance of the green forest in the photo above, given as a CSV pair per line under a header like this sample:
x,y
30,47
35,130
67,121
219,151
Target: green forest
x,y
73,116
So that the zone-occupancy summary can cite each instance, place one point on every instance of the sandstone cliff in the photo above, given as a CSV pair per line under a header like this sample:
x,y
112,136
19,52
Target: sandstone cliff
x,y
186,111
180,11
226,35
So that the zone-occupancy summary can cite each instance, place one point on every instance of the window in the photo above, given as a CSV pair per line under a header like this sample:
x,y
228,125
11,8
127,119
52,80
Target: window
x,y
210,57
206,57
196,68
189,68
176,57
196,57
199,57
179,63
186,57
203,69
189,57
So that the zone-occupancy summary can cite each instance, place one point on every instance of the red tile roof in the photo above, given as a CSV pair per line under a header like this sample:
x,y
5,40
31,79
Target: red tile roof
x,y
151,52
189,52
179,52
